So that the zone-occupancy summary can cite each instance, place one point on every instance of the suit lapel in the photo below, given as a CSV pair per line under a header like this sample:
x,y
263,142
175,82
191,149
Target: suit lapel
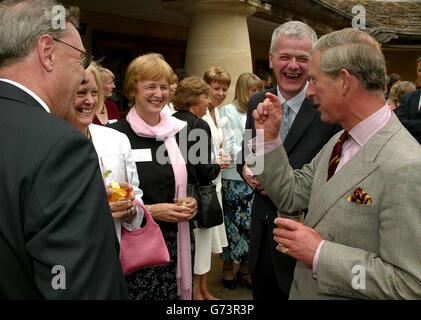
x,y
350,175
412,107
301,122
271,90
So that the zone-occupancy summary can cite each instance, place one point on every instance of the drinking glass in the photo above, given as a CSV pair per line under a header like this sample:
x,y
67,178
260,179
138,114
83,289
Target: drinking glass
x,y
181,197
227,151
114,173
293,215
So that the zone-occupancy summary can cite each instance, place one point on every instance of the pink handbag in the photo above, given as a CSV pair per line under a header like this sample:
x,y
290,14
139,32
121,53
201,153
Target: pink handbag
x,y
144,247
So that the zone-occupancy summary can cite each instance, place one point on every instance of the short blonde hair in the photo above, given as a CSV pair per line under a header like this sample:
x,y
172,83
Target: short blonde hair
x,y
149,66
245,82
188,93
105,73
402,89
94,68
174,78
392,94
217,74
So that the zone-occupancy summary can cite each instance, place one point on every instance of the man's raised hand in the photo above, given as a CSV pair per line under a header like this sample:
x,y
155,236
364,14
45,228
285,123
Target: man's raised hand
x,y
267,116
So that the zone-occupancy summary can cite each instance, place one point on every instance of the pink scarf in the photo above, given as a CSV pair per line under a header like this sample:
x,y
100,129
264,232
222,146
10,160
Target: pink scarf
x,y
166,129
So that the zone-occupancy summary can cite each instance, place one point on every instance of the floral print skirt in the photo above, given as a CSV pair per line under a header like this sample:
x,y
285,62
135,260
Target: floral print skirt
x,y
237,199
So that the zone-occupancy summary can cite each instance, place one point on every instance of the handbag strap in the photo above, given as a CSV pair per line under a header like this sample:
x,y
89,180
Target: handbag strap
x,y
147,214
149,221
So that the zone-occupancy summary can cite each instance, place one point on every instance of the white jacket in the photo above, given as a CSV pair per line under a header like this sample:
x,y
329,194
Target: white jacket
x,y
108,141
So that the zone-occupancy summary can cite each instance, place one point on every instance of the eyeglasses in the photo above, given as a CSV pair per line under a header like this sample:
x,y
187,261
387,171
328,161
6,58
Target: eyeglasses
x,y
86,58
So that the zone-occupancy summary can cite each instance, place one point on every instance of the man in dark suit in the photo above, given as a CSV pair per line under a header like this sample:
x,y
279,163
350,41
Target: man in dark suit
x,y
289,57
409,113
57,237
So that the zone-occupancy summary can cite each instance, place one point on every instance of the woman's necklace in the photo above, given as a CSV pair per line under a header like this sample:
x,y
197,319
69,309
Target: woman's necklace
x,y
102,116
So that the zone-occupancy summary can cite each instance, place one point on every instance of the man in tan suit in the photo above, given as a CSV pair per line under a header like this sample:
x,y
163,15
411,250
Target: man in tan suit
x,y
361,237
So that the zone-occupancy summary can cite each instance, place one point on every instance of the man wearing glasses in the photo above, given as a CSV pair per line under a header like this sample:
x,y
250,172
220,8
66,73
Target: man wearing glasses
x,y
85,57
57,238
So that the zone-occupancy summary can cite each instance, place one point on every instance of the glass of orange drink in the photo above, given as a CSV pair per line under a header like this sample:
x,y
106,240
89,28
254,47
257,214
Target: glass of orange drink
x,y
114,173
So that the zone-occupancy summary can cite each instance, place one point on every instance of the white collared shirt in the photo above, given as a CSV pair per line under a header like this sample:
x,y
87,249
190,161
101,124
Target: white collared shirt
x,y
295,103
28,91
362,132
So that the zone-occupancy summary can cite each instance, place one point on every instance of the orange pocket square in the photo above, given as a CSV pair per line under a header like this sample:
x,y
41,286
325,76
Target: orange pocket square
x,y
360,196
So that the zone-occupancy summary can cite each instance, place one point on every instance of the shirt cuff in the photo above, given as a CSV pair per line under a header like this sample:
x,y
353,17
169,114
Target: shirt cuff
x,y
258,148
316,259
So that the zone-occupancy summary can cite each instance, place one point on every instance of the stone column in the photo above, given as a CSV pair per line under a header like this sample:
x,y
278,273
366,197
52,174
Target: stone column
x,y
218,36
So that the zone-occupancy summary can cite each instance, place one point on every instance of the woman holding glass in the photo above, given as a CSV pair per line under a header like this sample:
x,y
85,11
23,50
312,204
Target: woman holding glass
x,y
108,142
163,177
191,100
236,194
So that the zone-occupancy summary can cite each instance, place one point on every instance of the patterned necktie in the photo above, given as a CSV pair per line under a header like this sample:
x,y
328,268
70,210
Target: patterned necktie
x,y
286,115
336,155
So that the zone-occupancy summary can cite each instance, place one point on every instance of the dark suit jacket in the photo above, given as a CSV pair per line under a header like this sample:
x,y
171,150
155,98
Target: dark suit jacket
x,y
307,136
409,114
53,209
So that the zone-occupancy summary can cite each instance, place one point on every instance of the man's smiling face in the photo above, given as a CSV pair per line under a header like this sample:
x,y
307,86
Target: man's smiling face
x,y
290,64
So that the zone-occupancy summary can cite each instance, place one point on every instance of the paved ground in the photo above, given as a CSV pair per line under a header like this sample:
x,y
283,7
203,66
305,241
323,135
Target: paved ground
x,y
216,287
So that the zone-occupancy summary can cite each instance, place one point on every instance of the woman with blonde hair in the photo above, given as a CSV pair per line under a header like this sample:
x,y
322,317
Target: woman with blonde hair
x,y
236,194
163,174
169,107
219,81
107,110
397,92
403,88
107,141
391,100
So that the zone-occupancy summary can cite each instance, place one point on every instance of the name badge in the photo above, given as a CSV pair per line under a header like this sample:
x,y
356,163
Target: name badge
x,y
112,121
142,155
